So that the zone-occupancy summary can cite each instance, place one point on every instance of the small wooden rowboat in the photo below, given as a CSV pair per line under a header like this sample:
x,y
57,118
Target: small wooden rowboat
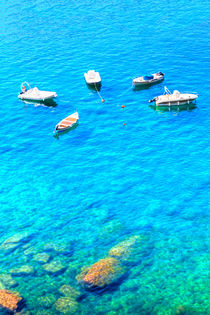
x,y
67,122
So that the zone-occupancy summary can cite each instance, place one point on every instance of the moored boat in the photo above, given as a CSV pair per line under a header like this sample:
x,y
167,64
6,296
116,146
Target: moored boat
x,y
67,123
174,99
34,94
92,78
148,79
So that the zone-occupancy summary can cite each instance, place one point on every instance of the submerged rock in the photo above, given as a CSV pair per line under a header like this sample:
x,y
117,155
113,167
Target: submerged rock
x,y
59,248
69,291
101,274
47,301
66,305
14,241
17,238
186,310
124,249
23,270
9,246
55,267
8,281
30,251
25,246
2,286
42,312
10,301
41,257
110,229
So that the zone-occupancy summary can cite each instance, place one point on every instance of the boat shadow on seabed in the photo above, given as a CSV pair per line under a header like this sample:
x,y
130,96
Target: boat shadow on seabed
x,y
46,103
94,87
177,108
137,88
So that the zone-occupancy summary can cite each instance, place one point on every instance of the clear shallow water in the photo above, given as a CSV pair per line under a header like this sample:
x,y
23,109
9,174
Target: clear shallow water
x,y
104,182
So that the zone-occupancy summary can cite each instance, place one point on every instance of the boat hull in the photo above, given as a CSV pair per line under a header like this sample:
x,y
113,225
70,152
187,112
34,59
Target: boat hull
x,y
175,103
92,78
149,82
174,99
40,96
66,129
93,83
37,99
169,101
67,123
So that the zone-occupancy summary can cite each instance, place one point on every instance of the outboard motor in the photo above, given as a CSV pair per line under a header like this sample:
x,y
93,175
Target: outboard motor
x,y
153,100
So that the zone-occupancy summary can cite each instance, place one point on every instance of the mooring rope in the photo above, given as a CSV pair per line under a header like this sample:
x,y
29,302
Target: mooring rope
x,y
102,99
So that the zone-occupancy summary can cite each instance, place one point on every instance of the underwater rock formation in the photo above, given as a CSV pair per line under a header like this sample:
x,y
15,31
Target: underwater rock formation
x,y
47,301
110,230
10,301
23,270
2,286
186,310
17,238
14,241
62,249
66,305
8,281
42,257
30,251
101,274
69,291
124,249
54,267
39,312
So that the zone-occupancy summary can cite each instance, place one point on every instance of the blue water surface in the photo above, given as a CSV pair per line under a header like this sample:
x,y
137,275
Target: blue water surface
x,y
123,172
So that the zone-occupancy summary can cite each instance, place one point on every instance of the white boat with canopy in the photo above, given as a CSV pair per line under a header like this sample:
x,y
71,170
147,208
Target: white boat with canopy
x,y
34,94
174,99
92,77
148,79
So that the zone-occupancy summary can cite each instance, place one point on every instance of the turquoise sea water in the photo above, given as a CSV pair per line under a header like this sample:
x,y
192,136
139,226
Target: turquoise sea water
x,y
123,171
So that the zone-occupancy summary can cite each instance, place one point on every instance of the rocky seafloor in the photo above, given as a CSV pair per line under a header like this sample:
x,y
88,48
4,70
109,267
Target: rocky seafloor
x,y
112,272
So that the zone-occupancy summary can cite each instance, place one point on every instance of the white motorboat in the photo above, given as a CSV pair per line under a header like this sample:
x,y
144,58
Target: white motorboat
x,y
34,94
148,79
67,122
174,99
92,77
